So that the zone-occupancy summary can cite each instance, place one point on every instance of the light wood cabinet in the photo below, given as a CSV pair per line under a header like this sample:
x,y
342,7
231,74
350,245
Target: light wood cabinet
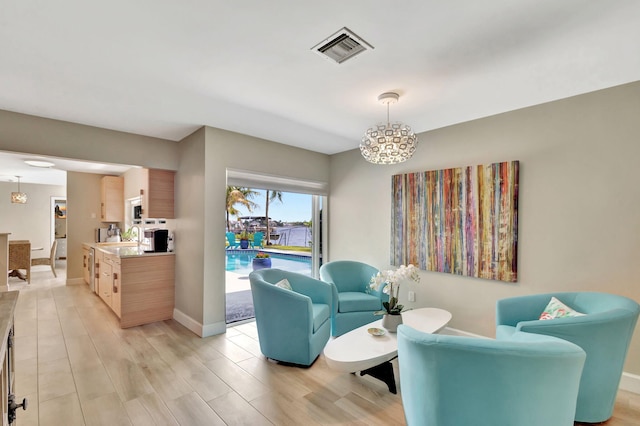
x,y
116,286
147,289
112,204
139,289
98,260
86,268
8,398
157,194
106,280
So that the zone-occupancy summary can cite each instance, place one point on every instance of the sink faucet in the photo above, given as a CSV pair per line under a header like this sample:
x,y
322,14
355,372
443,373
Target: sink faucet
x,y
139,231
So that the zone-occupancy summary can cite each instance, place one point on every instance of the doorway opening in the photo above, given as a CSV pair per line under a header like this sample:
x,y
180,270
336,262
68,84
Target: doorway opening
x,y
268,225
59,226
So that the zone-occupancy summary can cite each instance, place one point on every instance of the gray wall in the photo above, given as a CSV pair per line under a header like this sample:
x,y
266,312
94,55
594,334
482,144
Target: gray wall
x,y
204,159
579,226
30,221
200,159
35,135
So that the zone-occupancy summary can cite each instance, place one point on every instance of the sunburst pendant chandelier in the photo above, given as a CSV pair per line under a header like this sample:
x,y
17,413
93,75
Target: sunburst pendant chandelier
x,y
389,143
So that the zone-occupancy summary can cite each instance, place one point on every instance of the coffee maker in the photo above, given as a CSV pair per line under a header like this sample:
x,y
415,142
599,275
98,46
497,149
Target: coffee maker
x,y
156,239
113,234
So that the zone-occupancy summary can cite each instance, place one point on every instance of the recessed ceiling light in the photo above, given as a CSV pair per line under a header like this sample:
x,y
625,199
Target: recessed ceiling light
x,y
40,163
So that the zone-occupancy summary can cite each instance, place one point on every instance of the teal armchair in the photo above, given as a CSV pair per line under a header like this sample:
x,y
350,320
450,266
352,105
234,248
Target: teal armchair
x,y
353,301
527,380
604,333
293,325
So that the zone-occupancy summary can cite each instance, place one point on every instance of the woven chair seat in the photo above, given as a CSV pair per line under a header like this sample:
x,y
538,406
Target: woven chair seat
x,y
20,258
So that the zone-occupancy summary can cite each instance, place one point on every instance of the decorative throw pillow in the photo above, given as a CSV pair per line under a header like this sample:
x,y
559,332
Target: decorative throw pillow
x,y
284,284
557,309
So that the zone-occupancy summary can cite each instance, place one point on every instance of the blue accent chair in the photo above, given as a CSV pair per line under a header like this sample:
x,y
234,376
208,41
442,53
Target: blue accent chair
x,y
527,380
257,240
604,334
231,239
293,325
353,302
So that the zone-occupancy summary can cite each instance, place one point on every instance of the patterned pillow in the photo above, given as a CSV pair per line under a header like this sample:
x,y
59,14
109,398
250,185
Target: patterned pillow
x,y
557,309
284,284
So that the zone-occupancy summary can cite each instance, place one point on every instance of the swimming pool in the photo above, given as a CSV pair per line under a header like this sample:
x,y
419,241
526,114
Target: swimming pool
x,y
239,261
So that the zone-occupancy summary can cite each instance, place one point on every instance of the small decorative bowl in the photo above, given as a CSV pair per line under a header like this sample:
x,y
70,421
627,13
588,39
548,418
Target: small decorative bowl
x,y
374,331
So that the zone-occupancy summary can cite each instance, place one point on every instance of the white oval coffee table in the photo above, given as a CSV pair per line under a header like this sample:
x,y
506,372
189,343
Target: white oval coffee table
x,y
358,350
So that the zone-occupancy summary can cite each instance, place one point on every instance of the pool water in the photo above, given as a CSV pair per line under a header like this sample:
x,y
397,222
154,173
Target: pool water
x,y
239,261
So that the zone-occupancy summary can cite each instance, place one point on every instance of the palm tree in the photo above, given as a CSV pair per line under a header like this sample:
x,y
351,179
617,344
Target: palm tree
x,y
271,196
239,195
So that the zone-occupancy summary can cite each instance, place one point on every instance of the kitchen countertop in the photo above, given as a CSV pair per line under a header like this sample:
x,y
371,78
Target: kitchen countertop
x,y
124,250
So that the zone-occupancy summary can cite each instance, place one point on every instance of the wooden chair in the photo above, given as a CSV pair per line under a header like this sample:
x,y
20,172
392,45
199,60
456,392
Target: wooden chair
x,y
51,260
20,258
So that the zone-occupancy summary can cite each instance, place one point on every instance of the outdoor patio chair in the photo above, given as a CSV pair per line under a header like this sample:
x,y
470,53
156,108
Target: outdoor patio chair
x,y
257,240
231,238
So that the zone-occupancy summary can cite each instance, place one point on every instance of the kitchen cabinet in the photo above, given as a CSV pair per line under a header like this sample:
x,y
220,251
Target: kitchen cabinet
x,y
112,201
86,269
157,196
106,280
97,262
8,399
140,289
155,189
116,300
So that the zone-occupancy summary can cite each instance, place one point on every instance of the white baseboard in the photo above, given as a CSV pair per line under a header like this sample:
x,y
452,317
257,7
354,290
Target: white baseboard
x,y
213,329
187,321
628,382
197,327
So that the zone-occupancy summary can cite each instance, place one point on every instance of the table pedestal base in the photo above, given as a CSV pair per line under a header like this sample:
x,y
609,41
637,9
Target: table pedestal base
x,y
383,372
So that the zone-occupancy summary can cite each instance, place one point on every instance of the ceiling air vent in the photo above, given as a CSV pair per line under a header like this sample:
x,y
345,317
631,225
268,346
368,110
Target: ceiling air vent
x,y
341,46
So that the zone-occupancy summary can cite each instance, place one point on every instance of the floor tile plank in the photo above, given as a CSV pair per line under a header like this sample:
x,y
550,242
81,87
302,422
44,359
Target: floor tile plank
x,y
76,366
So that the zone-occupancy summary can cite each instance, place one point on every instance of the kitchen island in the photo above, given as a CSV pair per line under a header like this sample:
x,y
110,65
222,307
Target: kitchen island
x,y
8,401
137,285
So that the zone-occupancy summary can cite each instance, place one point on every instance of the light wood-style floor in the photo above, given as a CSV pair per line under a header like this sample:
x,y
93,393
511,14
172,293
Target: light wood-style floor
x,y
77,367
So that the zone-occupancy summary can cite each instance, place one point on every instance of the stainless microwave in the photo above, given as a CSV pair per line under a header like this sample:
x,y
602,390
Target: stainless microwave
x,y
101,235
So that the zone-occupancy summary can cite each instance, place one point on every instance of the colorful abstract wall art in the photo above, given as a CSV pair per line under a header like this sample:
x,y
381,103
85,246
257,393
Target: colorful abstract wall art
x,y
461,221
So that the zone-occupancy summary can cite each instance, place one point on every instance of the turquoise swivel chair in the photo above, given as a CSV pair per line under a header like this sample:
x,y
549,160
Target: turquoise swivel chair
x,y
231,239
257,240
353,301
604,333
293,325
527,380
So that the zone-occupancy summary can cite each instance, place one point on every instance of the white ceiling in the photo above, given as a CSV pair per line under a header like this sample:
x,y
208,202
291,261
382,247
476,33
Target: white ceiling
x,y
13,165
164,68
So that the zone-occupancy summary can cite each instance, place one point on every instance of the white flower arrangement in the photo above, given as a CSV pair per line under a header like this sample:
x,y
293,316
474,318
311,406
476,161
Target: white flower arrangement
x,y
391,280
